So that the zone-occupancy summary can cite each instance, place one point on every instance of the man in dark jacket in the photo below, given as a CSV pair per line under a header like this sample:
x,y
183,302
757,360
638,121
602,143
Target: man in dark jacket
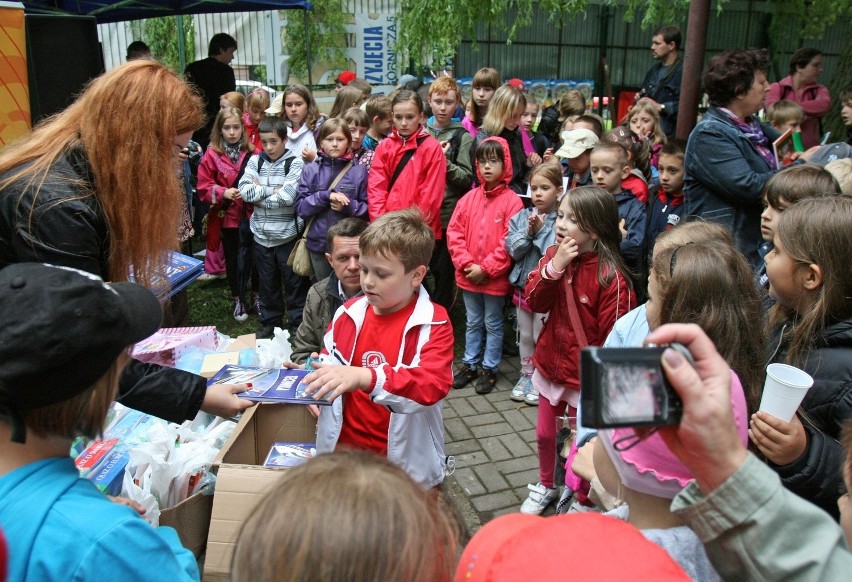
x,y
326,296
661,87
213,77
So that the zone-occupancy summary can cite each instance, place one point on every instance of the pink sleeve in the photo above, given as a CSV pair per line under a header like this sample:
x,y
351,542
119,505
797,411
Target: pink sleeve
x,y
818,106
456,241
207,178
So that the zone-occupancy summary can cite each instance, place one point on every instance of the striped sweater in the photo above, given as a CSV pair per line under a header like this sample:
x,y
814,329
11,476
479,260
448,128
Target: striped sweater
x,y
273,192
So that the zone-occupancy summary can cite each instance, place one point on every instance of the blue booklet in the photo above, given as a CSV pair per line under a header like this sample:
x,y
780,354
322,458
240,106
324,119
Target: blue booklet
x,y
288,455
268,384
179,271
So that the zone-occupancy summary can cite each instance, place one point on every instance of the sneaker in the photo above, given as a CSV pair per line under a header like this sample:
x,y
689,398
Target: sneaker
x,y
531,397
239,311
522,388
255,305
211,277
540,497
486,381
465,376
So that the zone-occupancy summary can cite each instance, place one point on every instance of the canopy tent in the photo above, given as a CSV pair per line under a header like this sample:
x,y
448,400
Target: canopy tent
x,y
122,10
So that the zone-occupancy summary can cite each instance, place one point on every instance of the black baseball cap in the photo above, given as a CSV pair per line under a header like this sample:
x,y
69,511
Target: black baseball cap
x,y
61,329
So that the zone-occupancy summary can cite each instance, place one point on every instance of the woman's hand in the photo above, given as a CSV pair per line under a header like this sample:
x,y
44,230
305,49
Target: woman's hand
x,y
781,442
222,400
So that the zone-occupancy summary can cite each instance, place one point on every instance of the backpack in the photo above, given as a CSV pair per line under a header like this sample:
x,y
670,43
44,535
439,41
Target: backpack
x,y
287,163
455,144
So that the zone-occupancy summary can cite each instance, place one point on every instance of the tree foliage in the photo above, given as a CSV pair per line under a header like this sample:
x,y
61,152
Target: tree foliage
x,y
437,29
327,36
161,35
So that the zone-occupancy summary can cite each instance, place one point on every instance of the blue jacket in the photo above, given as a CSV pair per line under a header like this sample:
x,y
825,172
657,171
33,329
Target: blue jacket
x,y
632,211
525,250
725,177
662,215
312,196
60,527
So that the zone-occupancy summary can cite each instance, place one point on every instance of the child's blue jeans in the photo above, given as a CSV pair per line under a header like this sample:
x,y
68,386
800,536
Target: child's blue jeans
x,y
484,322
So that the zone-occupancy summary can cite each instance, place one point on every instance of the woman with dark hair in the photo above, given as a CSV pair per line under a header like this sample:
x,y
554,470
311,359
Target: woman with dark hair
x,y
729,154
801,87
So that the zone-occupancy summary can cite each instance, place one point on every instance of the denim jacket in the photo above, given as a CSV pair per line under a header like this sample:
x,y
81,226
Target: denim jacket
x,y
725,177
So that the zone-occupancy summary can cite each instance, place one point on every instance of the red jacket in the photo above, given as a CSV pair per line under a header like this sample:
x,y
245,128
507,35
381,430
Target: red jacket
x,y
557,351
478,229
217,173
422,182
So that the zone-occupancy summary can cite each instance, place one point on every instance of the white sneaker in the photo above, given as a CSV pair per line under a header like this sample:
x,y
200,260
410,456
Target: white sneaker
x,y
531,397
540,497
522,388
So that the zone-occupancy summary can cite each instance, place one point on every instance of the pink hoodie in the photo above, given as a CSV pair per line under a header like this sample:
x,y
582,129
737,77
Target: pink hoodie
x,y
478,229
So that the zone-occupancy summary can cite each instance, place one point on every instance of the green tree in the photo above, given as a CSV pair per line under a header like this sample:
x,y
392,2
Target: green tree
x,y
161,34
430,28
326,27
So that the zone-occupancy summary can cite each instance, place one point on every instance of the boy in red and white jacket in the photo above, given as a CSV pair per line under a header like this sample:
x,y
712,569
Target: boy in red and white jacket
x,y
392,355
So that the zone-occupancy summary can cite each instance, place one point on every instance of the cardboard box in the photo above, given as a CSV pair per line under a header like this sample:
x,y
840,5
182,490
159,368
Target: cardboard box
x,y
191,519
242,480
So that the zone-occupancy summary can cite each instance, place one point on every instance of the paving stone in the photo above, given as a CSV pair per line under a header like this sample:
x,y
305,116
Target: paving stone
x,y
468,481
518,419
506,510
481,404
483,418
461,447
463,408
449,412
521,464
493,501
528,436
516,445
456,429
490,477
488,430
521,479
506,403
472,458
495,449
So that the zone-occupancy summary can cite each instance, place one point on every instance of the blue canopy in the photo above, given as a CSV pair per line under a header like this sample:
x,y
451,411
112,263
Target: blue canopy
x,y
122,10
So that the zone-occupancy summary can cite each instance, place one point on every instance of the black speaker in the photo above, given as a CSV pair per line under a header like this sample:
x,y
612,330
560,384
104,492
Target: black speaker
x,y
63,54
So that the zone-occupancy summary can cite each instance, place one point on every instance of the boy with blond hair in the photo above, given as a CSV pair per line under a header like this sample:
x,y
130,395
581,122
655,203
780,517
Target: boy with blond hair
x,y
444,98
784,115
379,111
389,355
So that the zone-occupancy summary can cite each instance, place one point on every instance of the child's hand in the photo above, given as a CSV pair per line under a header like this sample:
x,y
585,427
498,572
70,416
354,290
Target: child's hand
x,y
781,442
445,147
475,274
535,224
622,227
330,380
533,159
584,465
566,252
231,194
309,155
338,200
548,155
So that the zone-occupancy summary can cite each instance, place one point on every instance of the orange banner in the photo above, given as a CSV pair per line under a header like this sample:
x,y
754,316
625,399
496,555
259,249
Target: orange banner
x,y
14,92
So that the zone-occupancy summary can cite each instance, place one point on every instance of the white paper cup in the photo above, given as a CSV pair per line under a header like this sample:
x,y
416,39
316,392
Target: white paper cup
x,y
783,391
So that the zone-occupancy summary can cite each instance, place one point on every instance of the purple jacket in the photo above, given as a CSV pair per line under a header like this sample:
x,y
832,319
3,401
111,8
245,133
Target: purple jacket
x,y
312,196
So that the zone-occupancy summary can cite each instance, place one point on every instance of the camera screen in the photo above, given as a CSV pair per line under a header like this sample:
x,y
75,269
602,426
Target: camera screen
x,y
632,392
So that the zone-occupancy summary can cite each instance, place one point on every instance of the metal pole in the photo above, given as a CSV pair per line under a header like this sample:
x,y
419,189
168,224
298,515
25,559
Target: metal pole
x,y
693,63
181,43
308,50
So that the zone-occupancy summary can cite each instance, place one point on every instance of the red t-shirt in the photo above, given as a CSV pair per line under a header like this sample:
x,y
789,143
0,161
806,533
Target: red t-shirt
x,y
365,424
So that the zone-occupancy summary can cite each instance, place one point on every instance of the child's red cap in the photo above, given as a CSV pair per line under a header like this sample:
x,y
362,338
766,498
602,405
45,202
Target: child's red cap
x,y
345,77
